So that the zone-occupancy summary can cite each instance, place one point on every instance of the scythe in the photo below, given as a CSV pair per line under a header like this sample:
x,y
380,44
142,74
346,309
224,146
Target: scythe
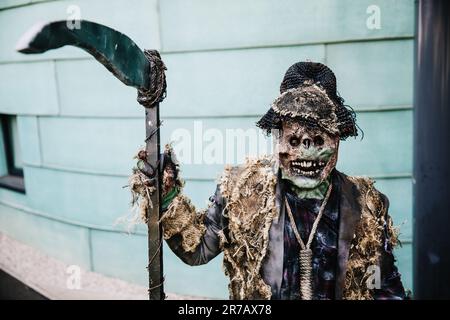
x,y
143,70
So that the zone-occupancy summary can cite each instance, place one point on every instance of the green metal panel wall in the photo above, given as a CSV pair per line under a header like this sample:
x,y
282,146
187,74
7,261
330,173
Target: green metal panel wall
x,y
79,127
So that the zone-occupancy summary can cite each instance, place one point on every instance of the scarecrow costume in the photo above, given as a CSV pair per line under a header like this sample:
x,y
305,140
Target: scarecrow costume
x,y
290,225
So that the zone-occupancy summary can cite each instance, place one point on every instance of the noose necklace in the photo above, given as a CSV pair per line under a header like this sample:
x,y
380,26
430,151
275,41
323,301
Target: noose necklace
x,y
305,254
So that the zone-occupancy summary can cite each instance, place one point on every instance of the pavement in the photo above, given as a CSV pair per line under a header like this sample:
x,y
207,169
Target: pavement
x,y
57,280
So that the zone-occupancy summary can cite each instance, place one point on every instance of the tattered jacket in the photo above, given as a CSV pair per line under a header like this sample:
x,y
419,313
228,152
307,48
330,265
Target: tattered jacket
x,y
245,221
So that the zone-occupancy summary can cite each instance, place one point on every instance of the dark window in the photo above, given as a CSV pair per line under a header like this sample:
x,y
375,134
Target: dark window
x,y
11,167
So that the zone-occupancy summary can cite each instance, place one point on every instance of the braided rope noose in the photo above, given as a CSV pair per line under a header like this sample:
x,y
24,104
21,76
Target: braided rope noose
x,y
305,254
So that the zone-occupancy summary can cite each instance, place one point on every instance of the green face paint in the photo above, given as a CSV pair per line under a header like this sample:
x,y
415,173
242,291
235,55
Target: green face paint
x,y
318,192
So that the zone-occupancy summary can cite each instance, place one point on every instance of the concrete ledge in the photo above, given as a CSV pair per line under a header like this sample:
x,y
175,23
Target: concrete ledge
x,y
52,278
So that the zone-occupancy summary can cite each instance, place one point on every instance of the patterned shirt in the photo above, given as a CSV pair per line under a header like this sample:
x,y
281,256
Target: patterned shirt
x,y
324,246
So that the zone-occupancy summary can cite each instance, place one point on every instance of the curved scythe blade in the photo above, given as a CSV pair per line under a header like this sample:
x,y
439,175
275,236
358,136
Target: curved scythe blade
x,y
117,52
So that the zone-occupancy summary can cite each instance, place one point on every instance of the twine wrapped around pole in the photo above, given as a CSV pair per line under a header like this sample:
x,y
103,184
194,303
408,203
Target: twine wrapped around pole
x,y
150,99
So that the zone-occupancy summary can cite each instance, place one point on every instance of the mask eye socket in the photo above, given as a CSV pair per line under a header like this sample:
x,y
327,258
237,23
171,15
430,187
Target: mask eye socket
x,y
294,141
318,141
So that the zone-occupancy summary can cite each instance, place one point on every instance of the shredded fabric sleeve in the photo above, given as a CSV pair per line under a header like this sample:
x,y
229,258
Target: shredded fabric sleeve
x,y
391,284
372,245
194,236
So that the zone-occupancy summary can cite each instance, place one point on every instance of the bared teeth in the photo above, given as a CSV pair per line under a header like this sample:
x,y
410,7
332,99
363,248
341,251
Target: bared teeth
x,y
307,167
304,164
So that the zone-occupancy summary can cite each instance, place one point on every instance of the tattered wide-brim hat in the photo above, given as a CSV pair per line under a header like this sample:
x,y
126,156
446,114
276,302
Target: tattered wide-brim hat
x,y
309,96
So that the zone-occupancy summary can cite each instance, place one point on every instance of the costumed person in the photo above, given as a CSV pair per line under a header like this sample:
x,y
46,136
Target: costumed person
x,y
290,225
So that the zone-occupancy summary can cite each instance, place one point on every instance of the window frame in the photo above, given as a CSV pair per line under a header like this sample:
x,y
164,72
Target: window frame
x,y
13,179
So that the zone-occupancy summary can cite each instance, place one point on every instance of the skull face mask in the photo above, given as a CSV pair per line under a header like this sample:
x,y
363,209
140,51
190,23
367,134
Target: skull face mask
x,y
306,155
310,118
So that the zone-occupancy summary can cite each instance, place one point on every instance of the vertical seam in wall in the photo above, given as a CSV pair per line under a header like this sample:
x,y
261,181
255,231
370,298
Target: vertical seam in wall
x,y
158,14
91,256
58,97
325,54
41,157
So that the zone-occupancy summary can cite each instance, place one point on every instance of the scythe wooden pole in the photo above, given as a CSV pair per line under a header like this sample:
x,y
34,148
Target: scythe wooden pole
x,y
155,248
